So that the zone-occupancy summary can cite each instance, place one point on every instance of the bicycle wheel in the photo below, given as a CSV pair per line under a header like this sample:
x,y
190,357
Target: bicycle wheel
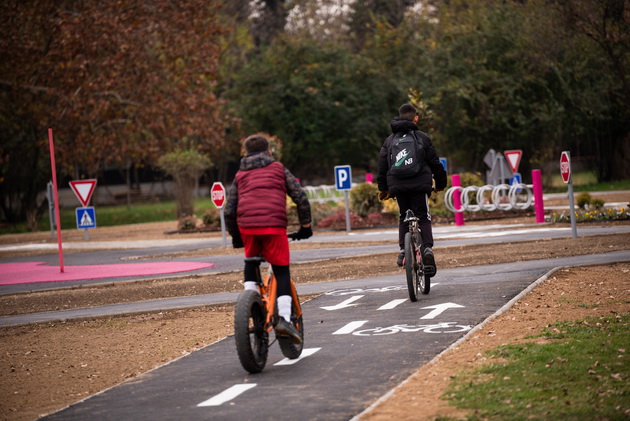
x,y
288,348
425,280
411,267
252,341
425,284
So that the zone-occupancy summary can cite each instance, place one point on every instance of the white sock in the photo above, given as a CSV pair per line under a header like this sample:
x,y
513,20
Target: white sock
x,y
284,307
251,286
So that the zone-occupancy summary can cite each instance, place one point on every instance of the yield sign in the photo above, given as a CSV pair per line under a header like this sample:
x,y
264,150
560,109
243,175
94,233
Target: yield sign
x,y
83,189
513,158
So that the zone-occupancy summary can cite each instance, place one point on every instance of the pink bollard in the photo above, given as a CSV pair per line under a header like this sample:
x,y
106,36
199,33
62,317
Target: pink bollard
x,y
369,178
457,200
539,205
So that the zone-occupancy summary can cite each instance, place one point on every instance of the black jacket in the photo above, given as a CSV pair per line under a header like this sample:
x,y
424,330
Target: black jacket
x,y
432,168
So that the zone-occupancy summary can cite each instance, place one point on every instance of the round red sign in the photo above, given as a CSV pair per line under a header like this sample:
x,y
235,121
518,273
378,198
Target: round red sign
x,y
217,194
565,166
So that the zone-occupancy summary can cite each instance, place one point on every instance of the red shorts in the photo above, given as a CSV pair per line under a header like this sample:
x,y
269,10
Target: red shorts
x,y
271,243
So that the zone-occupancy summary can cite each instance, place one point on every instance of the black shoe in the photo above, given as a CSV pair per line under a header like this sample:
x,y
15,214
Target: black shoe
x,y
284,328
429,262
401,258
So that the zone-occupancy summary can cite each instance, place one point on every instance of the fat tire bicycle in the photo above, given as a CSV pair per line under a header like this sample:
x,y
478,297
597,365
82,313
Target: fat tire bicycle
x,y
417,277
256,315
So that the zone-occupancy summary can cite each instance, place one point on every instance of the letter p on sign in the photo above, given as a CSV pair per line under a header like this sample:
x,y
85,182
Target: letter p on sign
x,y
343,177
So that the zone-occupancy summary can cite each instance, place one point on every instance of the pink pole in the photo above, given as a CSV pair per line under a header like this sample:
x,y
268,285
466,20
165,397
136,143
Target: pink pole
x,y
369,178
538,196
54,177
457,200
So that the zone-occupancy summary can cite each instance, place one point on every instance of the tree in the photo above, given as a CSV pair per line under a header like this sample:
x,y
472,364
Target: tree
x,y
506,75
601,32
329,107
116,80
185,166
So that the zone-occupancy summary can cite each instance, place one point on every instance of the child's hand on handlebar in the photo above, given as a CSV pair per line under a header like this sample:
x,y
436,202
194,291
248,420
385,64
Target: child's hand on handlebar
x,y
302,234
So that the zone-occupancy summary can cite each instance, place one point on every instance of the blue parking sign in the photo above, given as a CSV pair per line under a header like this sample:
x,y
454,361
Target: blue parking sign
x,y
86,217
444,163
343,177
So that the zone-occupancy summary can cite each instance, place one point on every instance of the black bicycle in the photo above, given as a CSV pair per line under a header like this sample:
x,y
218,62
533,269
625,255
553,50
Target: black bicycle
x,y
417,278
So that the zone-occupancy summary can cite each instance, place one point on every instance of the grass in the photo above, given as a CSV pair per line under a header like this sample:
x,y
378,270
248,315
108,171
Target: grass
x,y
582,373
585,181
116,215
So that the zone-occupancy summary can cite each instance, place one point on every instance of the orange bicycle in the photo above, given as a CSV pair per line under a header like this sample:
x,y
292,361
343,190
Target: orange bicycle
x,y
256,315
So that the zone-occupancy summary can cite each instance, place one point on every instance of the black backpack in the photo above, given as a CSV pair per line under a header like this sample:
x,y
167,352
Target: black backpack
x,y
404,155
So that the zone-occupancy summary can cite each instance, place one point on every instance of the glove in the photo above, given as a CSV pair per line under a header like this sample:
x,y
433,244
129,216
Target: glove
x,y
383,195
302,234
237,242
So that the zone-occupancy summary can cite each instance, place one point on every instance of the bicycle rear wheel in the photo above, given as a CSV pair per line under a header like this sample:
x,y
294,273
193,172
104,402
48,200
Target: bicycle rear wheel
x,y
425,284
288,348
252,340
411,267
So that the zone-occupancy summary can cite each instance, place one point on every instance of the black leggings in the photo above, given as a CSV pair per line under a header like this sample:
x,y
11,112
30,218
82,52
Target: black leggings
x,y
283,277
419,205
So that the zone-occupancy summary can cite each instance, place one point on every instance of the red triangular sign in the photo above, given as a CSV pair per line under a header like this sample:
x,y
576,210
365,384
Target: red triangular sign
x,y
513,159
83,189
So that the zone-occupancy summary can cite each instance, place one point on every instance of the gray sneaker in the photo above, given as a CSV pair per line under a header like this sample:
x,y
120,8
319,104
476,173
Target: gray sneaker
x,y
284,328
401,258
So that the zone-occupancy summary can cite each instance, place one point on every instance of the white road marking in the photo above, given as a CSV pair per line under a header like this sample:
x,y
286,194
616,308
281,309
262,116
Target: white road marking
x,y
350,327
227,395
392,304
439,309
344,304
306,352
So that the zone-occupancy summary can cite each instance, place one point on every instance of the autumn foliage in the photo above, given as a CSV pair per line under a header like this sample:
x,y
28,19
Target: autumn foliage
x,y
115,80
119,82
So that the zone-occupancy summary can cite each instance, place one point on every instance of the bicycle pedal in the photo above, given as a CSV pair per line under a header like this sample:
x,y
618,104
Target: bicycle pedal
x,y
430,271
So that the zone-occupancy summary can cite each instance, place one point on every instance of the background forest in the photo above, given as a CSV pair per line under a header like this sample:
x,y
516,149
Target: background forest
x,y
125,83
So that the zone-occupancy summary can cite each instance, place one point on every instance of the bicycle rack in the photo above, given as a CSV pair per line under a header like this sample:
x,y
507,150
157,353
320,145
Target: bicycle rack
x,y
497,200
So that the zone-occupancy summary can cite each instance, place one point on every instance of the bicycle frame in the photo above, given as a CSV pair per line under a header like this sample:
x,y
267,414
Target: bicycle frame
x,y
267,287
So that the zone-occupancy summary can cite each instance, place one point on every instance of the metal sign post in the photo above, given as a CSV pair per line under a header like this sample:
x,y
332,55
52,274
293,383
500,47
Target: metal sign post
x,y
217,194
343,181
565,172
50,196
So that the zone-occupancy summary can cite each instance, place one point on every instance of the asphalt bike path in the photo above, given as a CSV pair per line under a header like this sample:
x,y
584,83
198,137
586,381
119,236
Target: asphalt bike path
x,y
362,338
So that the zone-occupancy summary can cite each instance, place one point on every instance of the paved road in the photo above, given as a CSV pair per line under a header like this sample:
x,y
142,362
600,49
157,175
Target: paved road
x,y
135,251
363,337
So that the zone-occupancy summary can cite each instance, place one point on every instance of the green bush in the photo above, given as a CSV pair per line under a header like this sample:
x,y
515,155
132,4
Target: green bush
x,y
364,199
583,200
211,218
187,223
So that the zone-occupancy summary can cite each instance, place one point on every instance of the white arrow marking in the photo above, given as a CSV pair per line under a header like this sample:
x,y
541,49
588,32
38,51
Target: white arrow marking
x,y
307,352
350,327
439,309
344,304
227,395
392,304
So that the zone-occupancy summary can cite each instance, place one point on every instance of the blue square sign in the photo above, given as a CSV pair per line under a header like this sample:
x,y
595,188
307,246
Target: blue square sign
x,y
343,177
86,217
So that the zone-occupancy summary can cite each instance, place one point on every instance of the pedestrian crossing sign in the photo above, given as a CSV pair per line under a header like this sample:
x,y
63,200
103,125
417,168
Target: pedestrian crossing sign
x,y
86,217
